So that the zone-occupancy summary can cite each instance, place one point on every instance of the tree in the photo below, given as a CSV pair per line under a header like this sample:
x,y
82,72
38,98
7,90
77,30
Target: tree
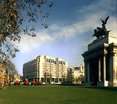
x,y
2,75
15,15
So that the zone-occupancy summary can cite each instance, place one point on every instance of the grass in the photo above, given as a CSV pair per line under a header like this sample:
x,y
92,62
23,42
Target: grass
x,y
57,95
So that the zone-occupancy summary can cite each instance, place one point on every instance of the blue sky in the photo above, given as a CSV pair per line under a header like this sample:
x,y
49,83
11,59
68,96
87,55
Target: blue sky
x,y
71,25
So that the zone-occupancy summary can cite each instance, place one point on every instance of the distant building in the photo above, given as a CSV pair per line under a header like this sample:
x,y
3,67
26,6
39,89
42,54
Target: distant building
x,y
70,76
46,69
76,75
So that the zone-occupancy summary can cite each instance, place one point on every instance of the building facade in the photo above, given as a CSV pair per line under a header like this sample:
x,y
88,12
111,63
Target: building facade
x,y
46,69
101,62
76,75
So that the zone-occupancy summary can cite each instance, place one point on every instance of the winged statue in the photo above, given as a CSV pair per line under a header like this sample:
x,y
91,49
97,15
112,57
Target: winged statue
x,y
100,32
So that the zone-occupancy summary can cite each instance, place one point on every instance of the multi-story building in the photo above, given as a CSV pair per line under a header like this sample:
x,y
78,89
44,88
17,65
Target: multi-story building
x,y
70,76
46,69
76,75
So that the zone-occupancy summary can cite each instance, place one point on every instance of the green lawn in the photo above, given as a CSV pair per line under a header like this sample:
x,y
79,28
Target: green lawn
x,y
57,95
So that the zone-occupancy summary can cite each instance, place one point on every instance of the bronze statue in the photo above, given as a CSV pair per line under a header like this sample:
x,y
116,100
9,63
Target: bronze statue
x,y
102,31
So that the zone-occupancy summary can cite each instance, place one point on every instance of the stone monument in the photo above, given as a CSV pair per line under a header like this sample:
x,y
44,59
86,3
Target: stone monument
x,y
101,58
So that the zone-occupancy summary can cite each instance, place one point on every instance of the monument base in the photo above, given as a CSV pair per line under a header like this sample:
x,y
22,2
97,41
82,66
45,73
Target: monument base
x,y
102,84
87,84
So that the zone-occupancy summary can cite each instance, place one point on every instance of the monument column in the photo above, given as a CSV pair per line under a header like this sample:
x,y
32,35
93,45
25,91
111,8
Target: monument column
x,y
100,83
87,73
104,69
99,70
114,70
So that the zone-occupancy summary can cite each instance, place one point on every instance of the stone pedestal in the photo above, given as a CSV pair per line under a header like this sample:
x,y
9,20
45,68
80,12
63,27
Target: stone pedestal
x,y
87,84
102,84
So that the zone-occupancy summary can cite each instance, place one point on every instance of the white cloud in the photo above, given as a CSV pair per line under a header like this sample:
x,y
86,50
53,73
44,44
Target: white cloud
x,y
91,19
88,24
112,25
56,32
29,43
73,29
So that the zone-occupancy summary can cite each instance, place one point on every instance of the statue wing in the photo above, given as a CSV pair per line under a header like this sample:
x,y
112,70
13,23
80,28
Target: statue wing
x,y
106,19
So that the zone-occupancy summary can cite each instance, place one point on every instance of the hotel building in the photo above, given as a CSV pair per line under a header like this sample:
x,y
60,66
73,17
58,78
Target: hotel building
x,y
46,69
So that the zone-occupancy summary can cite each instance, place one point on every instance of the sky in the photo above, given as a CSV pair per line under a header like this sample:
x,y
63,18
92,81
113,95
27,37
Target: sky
x,y
71,25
